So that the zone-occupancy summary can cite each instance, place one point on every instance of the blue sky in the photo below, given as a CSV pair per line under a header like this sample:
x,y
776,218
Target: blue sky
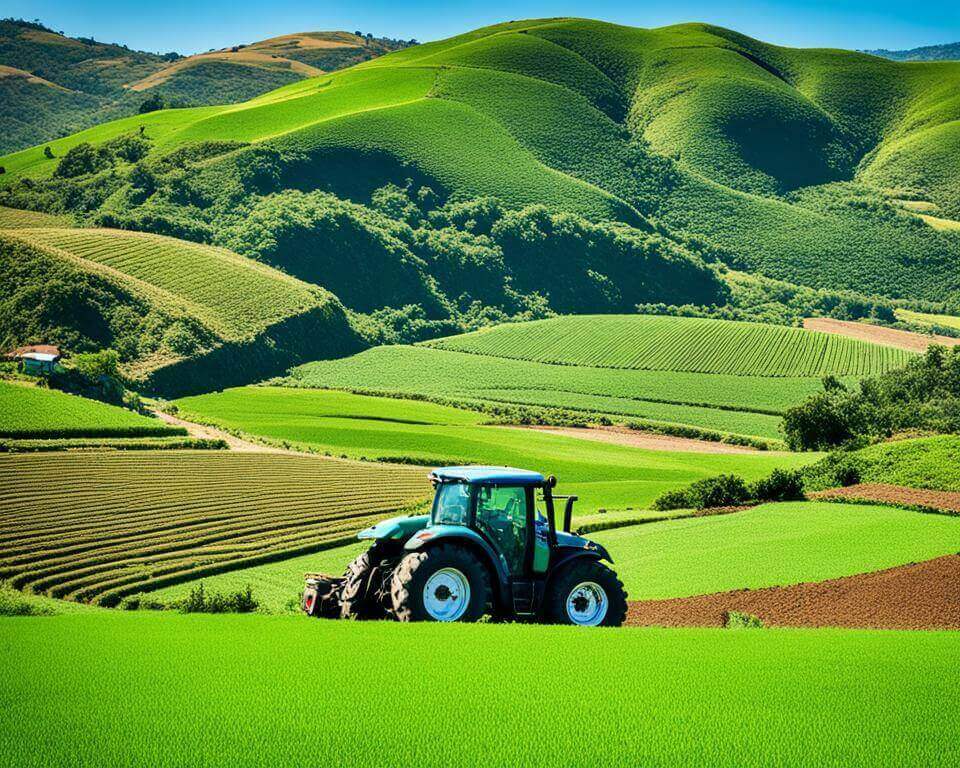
x,y
189,27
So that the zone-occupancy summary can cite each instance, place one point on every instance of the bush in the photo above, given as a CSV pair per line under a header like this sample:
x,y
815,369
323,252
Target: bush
x,y
838,469
741,620
720,491
781,485
199,601
15,603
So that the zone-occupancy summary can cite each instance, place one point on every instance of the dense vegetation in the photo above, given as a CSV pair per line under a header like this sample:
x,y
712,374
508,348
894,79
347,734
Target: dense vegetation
x,y
679,344
946,52
773,160
923,395
165,516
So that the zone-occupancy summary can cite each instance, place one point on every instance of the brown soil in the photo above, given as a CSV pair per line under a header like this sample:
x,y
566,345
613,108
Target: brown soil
x,y
894,494
891,337
916,596
638,439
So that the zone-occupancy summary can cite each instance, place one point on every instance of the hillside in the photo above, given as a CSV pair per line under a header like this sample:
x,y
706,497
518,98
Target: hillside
x,y
182,316
945,52
791,163
52,85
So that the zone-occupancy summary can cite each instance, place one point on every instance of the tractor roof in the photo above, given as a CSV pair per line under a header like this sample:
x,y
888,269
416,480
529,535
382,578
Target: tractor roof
x,y
489,475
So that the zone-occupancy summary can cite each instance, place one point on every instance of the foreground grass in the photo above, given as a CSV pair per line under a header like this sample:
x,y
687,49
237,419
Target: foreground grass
x,y
165,690
602,474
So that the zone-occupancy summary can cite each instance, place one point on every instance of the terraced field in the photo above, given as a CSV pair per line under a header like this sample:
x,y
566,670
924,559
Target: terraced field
x,y
32,412
12,218
94,527
679,344
234,296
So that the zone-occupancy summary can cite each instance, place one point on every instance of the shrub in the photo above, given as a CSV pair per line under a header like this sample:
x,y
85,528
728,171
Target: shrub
x,y
199,601
838,469
719,491
741,620
151,104
15,603
781,485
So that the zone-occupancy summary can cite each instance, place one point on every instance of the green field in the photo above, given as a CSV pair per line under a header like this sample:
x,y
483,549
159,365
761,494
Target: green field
x,y
679,344
33,412
721,402
285,690
603,475
926,462
925,318
770,545
97,526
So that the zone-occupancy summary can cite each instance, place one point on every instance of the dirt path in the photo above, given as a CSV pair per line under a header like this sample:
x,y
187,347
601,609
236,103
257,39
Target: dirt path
x,y
638,439
890,337
233,442
895,494
916,596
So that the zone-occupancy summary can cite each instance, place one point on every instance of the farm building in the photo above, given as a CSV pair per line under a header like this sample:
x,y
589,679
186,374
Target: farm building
x,y
36,359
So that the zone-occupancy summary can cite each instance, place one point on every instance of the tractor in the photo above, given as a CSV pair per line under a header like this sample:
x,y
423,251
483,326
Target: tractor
x,y
483,548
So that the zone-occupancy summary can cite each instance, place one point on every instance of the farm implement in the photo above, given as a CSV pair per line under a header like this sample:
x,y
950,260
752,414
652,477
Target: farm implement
x,y
483,548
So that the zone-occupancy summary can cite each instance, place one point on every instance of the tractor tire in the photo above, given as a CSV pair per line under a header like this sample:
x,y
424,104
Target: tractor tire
x,y
457,582
586,593
354,602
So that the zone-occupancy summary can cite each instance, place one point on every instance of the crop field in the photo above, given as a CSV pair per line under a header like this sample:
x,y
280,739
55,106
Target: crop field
x,y
604,475
12,218
274,688
32,412
97,526
926,318
770,545
736,404
679,344
232,295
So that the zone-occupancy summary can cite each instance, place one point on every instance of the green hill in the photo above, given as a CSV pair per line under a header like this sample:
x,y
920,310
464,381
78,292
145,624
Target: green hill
x,y
793,163
183,317
945,52
52,85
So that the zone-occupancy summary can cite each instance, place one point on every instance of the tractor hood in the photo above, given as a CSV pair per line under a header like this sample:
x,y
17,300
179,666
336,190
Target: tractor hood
x,y
578,542
398,528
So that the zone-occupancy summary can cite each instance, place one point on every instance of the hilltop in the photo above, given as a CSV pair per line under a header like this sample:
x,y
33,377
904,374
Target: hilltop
x,y
945,52
52,84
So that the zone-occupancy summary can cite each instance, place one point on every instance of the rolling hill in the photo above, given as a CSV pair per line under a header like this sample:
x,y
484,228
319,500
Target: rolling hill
x,y
791,163
52,85
945,52
183,316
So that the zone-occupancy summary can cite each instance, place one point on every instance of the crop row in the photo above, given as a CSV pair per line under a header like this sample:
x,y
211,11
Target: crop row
x,y
238,295
99,526
680,344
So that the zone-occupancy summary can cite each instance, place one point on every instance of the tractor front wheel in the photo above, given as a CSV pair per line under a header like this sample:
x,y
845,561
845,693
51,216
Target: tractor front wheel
x,y
587,593
442,583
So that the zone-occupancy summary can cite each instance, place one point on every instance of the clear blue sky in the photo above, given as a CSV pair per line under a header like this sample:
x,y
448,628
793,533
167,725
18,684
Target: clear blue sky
x,y
189,27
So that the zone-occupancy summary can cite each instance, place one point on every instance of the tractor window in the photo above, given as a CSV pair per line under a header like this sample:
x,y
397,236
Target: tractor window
x,y
452,505
502,516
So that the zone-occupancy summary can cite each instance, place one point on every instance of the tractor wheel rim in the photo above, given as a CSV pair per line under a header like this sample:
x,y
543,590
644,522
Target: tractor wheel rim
x,y
587,604
446,595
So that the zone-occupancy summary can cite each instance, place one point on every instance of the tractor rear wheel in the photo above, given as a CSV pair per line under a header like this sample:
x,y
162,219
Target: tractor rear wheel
x,y
355,602
586,593
442,583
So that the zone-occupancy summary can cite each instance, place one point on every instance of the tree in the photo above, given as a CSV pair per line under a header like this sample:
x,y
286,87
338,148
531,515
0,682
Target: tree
x,y
48,153
152,104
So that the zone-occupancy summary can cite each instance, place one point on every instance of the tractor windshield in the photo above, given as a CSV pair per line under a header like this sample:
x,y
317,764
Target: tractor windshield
x,y
452,504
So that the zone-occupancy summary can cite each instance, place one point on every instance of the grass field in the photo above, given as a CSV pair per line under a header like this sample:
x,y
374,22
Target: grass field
x,y
96,526
721,402
925,318
32,412
771,545
602,474
289,691
679,344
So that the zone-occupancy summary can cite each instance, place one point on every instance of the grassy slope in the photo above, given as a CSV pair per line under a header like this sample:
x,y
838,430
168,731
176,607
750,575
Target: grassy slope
x,y
775,544
186,689
925,318
743,120
679,344
603,475
27,411
734,404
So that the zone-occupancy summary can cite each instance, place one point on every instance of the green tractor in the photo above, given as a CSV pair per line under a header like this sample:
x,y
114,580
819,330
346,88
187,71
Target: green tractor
x,y
484,548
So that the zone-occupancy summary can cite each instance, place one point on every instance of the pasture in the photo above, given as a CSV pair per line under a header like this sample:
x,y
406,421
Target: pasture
x,y
288,691
687,344
33,412
97,526
604,475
